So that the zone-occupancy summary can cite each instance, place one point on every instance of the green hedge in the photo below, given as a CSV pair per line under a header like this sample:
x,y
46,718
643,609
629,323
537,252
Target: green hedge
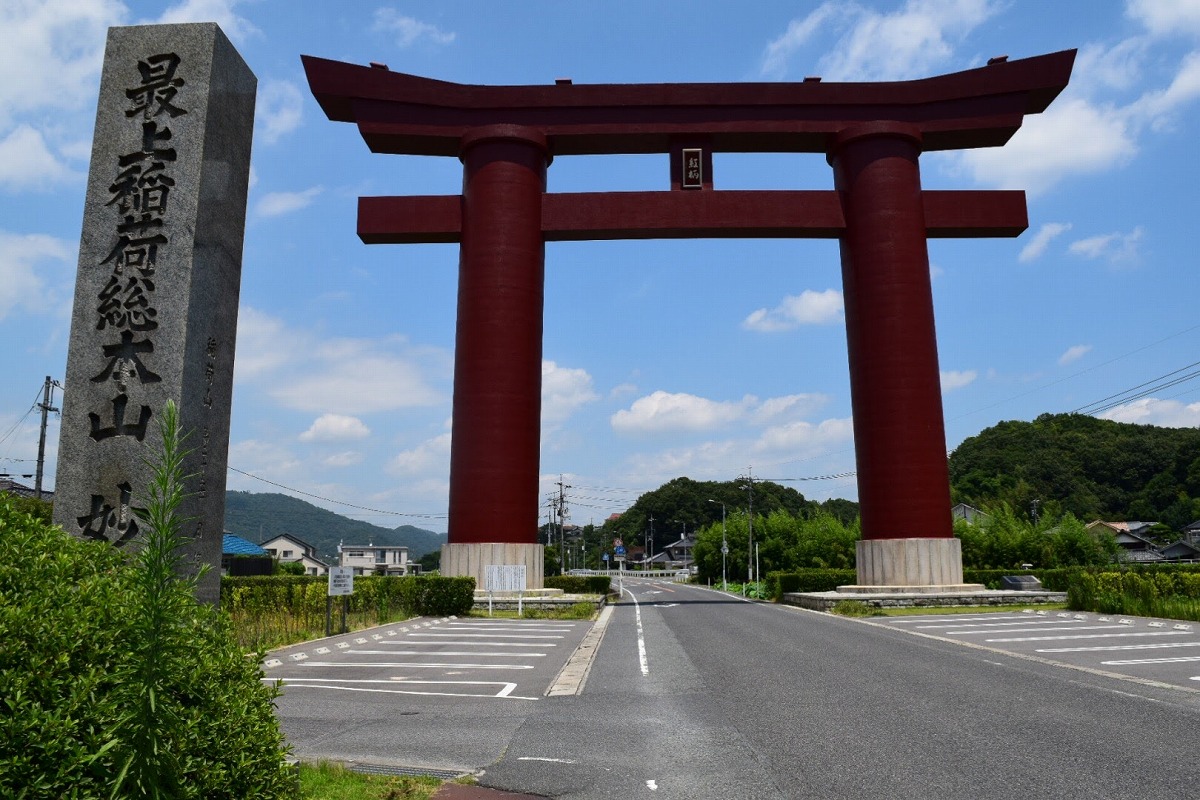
x,y
827,580
580,584
1154,592
419,595
808,580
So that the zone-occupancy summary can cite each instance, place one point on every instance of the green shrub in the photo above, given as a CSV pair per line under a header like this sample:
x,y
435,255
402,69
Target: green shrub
x,y
580,584
114,681
808,580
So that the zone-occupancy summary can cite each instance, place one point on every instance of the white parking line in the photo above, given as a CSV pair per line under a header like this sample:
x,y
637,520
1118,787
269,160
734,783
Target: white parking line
x,y
1009,624
1087,636
490,636
1035,630
410,643
364,664
445,653
505,693
1176,660
1117,647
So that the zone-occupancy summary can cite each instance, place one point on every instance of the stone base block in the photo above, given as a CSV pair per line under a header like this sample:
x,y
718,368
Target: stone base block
x,y
474,558
910,564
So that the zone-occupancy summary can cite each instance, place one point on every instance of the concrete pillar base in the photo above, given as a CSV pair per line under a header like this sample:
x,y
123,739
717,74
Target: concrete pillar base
x,y
472,560
914,564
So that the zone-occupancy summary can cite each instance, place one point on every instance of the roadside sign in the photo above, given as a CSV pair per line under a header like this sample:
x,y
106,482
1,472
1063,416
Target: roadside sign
x,y
620,551
606,556
341,581
504,578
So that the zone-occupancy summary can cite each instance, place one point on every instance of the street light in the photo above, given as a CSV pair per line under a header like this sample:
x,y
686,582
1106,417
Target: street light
x,y
724,546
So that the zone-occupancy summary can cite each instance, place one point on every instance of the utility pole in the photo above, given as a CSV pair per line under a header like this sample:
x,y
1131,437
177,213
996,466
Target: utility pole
x,y
750,554
562,514
650,552
46,407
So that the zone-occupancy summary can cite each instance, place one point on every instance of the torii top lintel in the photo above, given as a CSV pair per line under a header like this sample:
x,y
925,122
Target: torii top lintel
x,y
407,114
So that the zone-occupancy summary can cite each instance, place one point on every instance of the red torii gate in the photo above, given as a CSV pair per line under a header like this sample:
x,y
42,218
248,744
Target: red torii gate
x,y
872,135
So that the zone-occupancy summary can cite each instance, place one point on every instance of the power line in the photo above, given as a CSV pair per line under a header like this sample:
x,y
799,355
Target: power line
x,y
339,502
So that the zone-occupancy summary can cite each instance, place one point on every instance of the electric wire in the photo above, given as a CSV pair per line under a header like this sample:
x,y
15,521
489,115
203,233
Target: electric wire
x,y
338,502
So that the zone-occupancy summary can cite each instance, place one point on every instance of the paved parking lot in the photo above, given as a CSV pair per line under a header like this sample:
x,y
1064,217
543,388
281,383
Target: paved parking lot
x,y
501,659
1139,648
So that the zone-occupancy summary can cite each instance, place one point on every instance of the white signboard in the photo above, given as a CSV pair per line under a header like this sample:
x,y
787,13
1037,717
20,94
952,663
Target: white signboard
x,y
504,578
341,581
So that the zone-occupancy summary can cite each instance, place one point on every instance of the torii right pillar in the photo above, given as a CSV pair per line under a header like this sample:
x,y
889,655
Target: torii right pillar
x,y
899,438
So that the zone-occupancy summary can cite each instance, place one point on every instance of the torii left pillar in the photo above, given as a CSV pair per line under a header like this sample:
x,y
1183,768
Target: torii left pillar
x,y
494,452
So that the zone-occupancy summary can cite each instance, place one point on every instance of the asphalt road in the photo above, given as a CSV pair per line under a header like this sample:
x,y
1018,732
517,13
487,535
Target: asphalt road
x,y
696,694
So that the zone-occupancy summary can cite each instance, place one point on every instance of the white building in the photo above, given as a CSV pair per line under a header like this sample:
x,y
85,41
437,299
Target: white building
x,y
375,559
286,548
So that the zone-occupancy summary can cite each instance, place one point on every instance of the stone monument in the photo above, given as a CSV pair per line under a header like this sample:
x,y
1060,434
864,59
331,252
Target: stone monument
x,y
156,293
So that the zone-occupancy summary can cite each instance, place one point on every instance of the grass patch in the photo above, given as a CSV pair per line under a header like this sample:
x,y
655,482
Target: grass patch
x,y
856,608
325,781
919,610
573,611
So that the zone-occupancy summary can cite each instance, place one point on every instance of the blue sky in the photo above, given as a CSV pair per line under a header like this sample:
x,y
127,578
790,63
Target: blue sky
x,y
662,358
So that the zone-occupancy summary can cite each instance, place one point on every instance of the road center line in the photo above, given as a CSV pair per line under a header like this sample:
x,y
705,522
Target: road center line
x,y
637,608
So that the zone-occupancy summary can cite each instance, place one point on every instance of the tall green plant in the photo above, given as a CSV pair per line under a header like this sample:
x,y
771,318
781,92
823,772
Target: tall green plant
x,y
163,598
197,721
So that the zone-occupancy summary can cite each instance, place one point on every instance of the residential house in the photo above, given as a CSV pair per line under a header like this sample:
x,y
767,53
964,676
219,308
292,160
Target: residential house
x,y
240,557
286,548
376,559
1131,538
1183,550
21,490
680,553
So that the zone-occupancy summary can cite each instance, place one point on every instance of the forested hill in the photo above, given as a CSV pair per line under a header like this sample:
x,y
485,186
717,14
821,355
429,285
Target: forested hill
x,y
1093,468
258,517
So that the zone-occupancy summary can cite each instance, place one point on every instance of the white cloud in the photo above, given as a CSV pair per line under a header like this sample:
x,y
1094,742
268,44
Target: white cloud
x,y
274,204
52,53
346,459
663,411
408,30
1072,137
1118,248
334,428
1074,354
1149,411
799,438
27,163
954,379
799,33
1166,17
278,112
807,308
774,409
564,391
430,455
301,370
908,43
1041,240
23,271
237,28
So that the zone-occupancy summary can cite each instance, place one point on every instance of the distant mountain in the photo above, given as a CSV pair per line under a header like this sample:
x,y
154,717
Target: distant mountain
x,y
259,517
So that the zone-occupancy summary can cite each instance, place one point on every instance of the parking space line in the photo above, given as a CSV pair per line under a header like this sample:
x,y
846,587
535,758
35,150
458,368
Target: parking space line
x,y
418,665
1088,636
445,653
505,693
1176,660
1035,630
1156,646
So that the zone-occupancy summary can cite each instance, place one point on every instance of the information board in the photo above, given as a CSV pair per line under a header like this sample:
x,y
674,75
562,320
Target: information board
x,y
341,581
504,578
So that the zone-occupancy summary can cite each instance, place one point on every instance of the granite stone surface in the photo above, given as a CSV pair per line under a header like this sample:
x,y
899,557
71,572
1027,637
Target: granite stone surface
x,y
156,293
